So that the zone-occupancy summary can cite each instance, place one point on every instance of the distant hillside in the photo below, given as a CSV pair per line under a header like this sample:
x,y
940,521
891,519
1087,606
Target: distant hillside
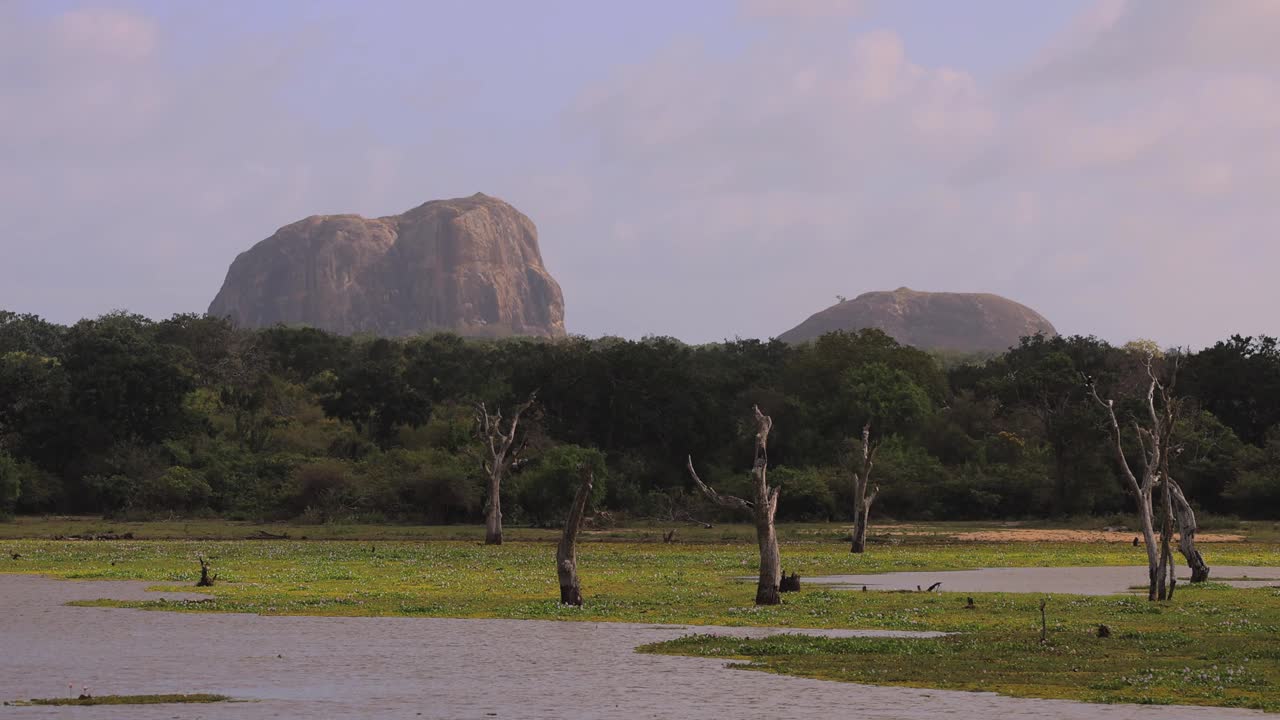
x,y
965,322
470,265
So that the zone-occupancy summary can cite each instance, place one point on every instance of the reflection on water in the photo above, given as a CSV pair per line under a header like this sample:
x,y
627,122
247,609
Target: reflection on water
x,y
301,667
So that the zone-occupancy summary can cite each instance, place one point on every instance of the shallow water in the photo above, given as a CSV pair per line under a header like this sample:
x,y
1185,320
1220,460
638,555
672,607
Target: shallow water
x,y
1077,580
314,667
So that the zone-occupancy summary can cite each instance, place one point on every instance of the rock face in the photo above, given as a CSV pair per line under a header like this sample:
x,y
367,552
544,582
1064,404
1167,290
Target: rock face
x,y
468,265
967,322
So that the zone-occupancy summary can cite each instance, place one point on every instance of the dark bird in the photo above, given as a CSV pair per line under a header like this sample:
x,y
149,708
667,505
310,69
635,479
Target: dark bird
x,y
970,606
1135,542
15,556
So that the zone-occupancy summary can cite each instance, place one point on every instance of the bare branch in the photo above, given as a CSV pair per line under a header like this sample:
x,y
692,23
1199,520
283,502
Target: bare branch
x,y
728,501
499,443
1110,406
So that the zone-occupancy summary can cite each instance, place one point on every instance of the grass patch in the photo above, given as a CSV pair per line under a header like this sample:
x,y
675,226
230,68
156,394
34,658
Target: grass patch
x,y
131,700
1136,666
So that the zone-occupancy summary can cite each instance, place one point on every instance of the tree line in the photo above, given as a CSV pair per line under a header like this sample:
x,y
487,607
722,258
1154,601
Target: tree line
x,y
130,417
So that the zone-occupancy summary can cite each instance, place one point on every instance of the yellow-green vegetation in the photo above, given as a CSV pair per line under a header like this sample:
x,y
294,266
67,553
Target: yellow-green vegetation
x,y
1211,645
129,700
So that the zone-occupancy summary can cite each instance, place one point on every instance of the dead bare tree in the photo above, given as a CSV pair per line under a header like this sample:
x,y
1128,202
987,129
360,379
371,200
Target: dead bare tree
x,y
861,500
1157,447
567,551
763,508
499,444
1187,529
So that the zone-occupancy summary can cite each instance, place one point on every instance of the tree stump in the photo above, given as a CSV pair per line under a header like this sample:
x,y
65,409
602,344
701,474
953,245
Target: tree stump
x,y
205,579
567,551
789,583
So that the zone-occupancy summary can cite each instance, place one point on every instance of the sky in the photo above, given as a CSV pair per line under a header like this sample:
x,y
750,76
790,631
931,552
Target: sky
x,y
704,170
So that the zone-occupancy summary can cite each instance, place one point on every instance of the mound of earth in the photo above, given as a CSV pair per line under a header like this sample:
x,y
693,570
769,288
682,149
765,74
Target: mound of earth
x,y
469,265
965,322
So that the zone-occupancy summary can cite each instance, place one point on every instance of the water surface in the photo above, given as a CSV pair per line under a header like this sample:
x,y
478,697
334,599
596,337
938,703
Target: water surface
x,y
320,667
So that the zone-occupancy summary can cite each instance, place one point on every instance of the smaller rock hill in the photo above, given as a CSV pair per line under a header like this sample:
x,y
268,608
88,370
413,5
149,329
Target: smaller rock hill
x,y
964,322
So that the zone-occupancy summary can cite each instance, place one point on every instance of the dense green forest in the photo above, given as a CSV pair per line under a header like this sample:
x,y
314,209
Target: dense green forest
x,y
189,416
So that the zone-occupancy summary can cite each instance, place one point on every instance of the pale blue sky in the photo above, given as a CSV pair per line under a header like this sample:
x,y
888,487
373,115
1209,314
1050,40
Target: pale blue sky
x,y
700,169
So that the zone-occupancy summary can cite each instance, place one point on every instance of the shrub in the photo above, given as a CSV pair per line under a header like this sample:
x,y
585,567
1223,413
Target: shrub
x,y
111,493
10,485
908,477
25,487
545,490
40,492
324,490
177,488
804,494
432,485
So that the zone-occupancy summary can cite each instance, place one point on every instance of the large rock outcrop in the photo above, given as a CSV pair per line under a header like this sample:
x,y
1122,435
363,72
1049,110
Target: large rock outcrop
x,y
468,265
966,322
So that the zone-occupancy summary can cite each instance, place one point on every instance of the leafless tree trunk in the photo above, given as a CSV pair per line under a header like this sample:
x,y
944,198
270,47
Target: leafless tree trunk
x,y
1164,591
567,552
861,500
763,508
499,456
1187,529
1156,443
